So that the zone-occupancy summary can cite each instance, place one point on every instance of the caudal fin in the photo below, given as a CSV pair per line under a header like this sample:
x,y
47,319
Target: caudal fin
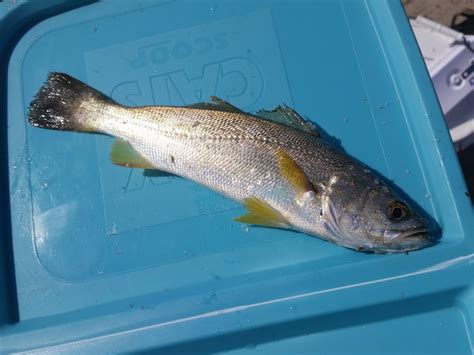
x,y
66,104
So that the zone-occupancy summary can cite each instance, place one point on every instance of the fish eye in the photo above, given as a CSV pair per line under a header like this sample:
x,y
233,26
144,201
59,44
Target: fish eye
x,y
397,210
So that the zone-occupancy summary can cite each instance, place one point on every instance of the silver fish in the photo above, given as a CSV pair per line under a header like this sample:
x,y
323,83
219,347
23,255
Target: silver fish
x,y
274,162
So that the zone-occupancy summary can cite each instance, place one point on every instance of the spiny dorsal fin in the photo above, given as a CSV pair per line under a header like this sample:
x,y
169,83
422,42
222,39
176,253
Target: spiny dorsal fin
x,y
293,173
289,117
281,114
224,105
203,106
124,154
262,214
216,104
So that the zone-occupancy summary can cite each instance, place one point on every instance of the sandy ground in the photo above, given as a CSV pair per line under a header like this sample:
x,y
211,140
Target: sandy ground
x,y
441,11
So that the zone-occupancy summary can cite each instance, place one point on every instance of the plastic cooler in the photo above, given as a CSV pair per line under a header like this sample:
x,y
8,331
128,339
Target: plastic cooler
x,y
97,258
449,57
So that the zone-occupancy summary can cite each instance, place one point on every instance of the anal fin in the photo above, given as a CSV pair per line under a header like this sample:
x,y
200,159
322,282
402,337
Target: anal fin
x,y
124,154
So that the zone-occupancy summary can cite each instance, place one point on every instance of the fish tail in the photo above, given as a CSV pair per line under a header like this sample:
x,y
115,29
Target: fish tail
x,y
59,105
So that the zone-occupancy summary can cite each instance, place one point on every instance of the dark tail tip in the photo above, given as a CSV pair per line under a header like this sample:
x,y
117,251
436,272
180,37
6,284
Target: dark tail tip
x,y
56,104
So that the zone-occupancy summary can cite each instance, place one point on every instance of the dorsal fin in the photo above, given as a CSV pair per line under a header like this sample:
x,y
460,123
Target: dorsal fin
x,y
216,104
284,115
281,114
224,105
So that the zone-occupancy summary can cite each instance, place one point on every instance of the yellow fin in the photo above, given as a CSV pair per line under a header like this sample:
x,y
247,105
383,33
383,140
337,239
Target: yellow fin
x,y
124,154
292,173
262,214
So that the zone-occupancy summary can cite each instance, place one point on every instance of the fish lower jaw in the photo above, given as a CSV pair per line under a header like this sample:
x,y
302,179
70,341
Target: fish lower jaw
x,y
375,248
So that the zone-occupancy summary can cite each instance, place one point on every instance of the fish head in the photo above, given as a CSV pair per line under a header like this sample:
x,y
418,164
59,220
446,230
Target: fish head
x,y
365,214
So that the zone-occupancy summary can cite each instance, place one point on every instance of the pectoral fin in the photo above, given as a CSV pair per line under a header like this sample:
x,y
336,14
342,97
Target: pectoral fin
x,y
124,154
262,214
293,173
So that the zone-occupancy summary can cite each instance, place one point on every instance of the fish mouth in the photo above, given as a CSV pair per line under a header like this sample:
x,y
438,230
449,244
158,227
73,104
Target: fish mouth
x,y
419,234
398,241
412,232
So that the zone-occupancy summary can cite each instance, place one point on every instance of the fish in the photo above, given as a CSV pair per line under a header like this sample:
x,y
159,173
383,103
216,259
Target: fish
x,y
274,162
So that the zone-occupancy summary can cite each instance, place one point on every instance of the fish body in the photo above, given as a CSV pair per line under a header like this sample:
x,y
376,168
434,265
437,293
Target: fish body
x,y
274,162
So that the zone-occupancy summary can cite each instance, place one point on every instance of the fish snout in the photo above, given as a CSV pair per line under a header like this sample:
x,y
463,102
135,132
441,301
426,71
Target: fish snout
x,y
409,239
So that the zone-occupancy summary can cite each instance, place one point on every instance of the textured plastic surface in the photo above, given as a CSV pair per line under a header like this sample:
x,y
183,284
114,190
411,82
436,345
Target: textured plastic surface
x,y
106,260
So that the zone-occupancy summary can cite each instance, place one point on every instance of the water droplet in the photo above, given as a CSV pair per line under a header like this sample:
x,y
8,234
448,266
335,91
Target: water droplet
x,y
408,171
245,228
188,253
100,272
346,120
14,167
113,232
427,195
384,123
44,185
380,107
